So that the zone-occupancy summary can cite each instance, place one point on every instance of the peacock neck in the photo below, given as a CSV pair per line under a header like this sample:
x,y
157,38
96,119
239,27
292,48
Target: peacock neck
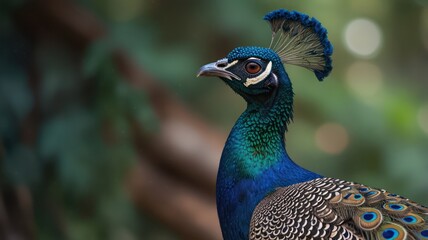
x,y
254,163
257,139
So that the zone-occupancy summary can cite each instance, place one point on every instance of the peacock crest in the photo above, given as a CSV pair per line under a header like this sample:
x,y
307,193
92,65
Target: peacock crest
x,y
300,40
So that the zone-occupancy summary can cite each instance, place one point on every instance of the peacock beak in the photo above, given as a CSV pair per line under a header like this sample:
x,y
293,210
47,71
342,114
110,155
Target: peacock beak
x,y
218,69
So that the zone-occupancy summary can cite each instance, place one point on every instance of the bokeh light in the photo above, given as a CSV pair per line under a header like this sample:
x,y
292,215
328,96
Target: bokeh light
x,y
363,37
423,118
331,138
365,80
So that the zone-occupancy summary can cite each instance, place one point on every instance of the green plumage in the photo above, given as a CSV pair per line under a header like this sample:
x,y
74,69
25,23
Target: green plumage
x,y
258,134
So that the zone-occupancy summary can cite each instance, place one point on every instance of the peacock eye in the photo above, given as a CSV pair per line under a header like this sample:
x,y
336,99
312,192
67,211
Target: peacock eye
x,y
252,68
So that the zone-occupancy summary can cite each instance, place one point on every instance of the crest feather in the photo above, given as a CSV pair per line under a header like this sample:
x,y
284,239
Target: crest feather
x,y
300,40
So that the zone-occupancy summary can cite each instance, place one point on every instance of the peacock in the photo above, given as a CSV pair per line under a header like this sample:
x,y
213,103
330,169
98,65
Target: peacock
x,y
261,193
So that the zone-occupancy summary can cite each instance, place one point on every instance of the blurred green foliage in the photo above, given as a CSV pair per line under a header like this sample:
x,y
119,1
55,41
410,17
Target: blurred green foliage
x,y
82,148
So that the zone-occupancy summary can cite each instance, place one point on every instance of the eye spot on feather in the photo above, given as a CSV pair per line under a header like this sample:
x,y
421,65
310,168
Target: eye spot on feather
x,y
356,196
353,199
369,217
390,233
396,207
412,220
373,195
363,189
424,233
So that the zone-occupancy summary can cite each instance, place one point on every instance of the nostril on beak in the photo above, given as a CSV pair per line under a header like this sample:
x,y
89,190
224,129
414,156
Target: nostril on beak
x,y
221,65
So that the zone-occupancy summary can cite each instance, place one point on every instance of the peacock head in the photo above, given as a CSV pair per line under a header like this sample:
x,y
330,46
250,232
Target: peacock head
x,y
252,72
257,73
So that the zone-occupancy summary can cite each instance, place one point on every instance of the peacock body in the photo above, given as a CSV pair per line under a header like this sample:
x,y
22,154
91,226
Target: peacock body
x,y
261,192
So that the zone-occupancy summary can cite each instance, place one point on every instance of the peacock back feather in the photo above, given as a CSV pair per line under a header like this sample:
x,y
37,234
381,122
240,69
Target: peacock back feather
x,y
327,208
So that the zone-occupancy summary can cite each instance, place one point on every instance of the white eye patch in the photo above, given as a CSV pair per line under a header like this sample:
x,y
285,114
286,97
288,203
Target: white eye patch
x,y
231,64
260,77
225,64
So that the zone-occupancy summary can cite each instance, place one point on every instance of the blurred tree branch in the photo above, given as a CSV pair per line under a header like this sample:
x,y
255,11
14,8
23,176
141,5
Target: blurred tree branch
x,y
192,214
176,177
177,125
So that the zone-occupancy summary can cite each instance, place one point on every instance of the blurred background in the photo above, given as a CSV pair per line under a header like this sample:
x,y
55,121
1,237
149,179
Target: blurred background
x,y
106,133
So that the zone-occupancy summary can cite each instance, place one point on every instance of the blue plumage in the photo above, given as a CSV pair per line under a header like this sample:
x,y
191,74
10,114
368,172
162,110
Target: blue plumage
x,y
239,190
261,193
259,52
